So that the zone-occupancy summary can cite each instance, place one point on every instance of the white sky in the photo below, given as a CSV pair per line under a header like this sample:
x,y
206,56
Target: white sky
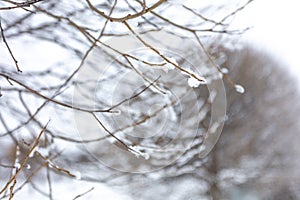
x,y
276,28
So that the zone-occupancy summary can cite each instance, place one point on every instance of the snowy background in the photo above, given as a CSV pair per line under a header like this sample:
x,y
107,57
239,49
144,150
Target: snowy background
x,y
274,30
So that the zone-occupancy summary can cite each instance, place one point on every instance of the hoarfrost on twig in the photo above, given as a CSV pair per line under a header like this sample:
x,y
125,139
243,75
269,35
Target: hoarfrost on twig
x,y
136,150
239,88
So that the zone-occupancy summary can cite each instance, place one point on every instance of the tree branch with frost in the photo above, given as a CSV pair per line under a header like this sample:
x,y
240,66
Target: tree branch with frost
x,y
67,27
23,163
191,74
223,73
57,168
145,77
128,147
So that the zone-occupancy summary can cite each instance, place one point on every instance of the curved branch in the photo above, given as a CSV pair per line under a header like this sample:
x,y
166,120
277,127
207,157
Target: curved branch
x,y
129,16
51,99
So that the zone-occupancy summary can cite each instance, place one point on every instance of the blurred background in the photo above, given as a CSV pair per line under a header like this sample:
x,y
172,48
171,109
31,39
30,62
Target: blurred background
x,y
256,156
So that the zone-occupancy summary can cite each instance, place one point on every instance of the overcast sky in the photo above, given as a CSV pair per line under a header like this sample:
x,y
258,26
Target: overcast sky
x,y
276,28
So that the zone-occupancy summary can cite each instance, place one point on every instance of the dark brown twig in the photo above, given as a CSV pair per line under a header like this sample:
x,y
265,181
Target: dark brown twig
x,y
51,99
8,48
129,16
20,5
82,194
112,135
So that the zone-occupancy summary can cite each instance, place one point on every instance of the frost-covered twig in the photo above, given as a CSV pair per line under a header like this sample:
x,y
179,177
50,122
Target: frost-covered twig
x,y
23,163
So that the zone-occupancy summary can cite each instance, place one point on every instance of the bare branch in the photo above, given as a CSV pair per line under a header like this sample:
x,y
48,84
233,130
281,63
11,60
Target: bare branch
x,y
23,163
20,5
112,135
51,99
82,194
200,79
8,48
129,16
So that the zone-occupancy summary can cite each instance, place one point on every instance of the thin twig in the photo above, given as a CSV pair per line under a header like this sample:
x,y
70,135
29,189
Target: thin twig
x,y
82,194
8,48
35,144
55,167
201,16
211,60
29,178
51,99
135,95
129,16
7,166
49,182
200,79
144,77
20,5
235,11
112,135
